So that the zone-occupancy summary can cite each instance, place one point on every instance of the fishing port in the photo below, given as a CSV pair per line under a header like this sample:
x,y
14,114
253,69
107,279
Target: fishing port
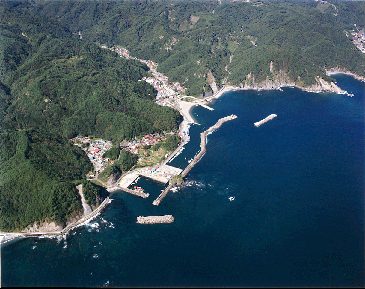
x,y
198,157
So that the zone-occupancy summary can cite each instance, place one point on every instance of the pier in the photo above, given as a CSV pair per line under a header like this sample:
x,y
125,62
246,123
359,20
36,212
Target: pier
x,y
265,120
137,193
166,219
198,157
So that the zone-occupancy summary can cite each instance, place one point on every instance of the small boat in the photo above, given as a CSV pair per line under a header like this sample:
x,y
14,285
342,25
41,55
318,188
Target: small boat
x,y
231,199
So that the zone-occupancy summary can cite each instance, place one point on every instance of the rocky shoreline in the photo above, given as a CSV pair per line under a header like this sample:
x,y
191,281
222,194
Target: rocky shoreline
x,y
51,230
322,85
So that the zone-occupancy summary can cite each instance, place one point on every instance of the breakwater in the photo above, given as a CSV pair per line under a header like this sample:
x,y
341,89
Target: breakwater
x,y
137,193
166,219
198,157
265,120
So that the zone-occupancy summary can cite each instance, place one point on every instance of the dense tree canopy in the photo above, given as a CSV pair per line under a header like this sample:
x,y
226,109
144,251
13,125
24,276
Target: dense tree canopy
x,y
54,86
190,38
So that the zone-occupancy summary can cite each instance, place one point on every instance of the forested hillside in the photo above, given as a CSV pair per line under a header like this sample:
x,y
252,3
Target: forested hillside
x,y
189,39
54,86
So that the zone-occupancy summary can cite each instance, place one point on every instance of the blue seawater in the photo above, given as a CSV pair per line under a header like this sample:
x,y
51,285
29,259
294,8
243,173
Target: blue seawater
x,y
297,218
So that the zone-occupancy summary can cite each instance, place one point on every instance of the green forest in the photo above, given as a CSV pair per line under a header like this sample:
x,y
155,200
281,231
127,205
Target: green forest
x,y
190,38
54,86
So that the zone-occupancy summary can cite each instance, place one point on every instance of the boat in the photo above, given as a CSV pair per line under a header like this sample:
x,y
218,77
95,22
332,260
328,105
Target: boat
x,y
231,199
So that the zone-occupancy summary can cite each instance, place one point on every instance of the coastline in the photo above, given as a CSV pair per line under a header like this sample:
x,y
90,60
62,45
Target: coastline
x,y
329,72
7,237
185,109
337,70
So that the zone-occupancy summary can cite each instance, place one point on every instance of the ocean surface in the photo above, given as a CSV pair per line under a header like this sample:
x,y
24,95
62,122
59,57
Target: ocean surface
x,y
297,218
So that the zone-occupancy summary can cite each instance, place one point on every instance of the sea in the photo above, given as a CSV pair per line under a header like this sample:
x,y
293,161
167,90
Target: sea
x,y
296,217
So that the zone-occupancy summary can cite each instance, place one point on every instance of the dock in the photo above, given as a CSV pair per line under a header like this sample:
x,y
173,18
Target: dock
x,y
198,157
137,193
166,219
265,120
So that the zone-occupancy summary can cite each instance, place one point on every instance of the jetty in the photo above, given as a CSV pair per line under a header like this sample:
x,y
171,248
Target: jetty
x,y
138,193
265,120
166,219
198,157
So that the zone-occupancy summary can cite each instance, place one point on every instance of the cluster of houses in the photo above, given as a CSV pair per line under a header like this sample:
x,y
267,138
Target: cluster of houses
x,y
160,82
147,140
358,38
95,149
121,51
166,91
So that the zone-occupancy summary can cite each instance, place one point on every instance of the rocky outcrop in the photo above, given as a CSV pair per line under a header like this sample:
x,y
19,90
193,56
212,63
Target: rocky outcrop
x,y
112,180
87,209
280,78
324,86
277,80
43,227
211,81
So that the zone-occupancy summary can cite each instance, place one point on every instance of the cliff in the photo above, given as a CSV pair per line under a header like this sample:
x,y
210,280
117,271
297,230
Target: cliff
x,y
280,78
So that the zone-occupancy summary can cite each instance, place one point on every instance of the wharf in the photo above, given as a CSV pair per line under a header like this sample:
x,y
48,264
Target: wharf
x,y
162,174
137,193
126,180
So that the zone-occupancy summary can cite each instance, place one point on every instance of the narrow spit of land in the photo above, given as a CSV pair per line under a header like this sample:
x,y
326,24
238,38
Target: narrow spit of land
x,y
198,157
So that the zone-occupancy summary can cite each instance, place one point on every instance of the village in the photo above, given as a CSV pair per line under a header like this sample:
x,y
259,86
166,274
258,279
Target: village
x,y
133,146
151,164
167,92
95,150
358,38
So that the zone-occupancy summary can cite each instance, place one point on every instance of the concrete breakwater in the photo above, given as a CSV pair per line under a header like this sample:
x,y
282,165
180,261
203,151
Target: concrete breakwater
x,y
166,219
198,157
137,193
265,120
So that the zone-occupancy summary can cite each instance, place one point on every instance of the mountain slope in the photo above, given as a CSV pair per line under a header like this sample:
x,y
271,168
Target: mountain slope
x,y
54,86
231,40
